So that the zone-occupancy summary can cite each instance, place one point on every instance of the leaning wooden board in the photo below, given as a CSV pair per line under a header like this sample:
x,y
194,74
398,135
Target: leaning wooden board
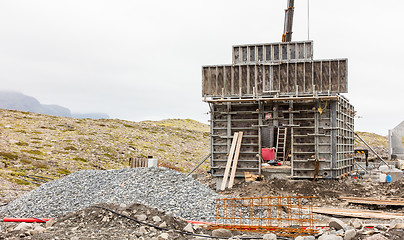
x,y
235,161
372,201
357,213
229,161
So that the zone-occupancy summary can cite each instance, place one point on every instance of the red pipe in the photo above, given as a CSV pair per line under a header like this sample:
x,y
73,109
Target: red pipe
x,y
199,222
29,220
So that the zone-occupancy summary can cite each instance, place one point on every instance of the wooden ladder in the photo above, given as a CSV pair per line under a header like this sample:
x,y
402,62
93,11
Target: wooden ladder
x,y
281,144
232,158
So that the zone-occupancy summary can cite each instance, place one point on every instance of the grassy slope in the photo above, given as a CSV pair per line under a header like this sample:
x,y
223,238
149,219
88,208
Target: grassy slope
x,y
55,146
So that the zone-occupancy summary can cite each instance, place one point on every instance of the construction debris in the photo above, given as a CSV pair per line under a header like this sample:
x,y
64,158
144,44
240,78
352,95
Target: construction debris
x,y
372,201
356,213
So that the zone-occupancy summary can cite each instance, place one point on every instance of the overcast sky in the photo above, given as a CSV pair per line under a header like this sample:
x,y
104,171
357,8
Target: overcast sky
x,y
141,60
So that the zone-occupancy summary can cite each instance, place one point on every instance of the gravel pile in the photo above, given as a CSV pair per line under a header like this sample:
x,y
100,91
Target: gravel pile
x,y
162,188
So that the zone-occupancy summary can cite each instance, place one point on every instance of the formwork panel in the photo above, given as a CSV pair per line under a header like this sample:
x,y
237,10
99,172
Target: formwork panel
x,y
270,52
326,75
227,120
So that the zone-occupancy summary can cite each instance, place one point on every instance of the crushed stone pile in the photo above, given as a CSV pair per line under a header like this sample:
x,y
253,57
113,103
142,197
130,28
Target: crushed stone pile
x,y
162,188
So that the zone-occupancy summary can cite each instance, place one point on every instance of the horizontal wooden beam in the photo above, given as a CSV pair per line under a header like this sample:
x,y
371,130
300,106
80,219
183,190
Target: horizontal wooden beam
x,y
273,99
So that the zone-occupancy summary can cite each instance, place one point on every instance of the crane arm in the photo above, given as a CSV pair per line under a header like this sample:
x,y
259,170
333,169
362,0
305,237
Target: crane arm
x,y
287,30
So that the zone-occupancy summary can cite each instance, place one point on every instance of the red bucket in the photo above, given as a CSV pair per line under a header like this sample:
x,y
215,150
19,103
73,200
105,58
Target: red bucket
x,y
268,154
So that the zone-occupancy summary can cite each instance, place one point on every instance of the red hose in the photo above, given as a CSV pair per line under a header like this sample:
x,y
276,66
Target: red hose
x,y
29,220
199,222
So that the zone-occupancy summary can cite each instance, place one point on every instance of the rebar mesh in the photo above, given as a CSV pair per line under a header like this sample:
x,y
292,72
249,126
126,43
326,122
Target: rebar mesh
x,y
288,216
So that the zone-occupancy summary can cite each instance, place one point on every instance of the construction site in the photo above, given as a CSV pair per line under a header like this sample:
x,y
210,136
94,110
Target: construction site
x,y
282,160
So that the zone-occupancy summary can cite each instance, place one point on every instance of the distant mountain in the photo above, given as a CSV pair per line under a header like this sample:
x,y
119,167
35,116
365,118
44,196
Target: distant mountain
x,y
18,101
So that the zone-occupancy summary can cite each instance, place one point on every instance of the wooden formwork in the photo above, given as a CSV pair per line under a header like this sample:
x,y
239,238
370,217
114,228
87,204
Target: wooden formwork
x,y
318,134
279,85
268,79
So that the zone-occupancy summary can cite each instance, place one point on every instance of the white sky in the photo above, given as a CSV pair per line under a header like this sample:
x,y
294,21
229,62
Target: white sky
x,y
140,60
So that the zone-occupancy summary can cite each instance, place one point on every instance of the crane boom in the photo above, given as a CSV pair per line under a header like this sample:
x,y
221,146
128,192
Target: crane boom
x,y
287,29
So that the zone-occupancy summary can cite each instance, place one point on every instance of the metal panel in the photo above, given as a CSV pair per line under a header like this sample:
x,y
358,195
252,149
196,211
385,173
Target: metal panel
x,y
267,79
272,52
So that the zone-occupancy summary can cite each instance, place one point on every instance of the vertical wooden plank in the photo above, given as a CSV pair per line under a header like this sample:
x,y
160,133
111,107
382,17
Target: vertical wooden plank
x,y
244,54
292,51
268,53
236,80
343,76
284,50
251,82
235,160
267,78
259,79
212,80
220,81
308,83
300,50
260,53
244,77
276,52
292,78
300,76
309,51
283,77
227,80
229,160
205,82
317,75
236,54
277,77
325,79
251,51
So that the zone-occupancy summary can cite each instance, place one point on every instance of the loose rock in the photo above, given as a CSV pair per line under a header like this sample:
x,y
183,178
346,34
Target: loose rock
x,y
376,237
337,224
330,237
269,236
349,234
23,227
222,233
189,228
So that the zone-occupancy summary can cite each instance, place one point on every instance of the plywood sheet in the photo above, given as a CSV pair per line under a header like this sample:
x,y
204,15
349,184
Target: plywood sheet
x,y
356,213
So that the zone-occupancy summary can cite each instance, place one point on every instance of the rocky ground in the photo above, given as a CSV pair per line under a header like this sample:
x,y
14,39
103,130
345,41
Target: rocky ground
x,y
34,145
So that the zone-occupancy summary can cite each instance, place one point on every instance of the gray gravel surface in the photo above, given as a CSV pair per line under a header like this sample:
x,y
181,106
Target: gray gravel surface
x,y
162,188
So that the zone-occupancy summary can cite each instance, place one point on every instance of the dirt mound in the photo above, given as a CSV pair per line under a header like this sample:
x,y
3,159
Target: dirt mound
x,y
98,223
326,191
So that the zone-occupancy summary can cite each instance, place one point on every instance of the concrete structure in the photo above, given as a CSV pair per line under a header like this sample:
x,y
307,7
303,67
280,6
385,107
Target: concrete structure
x,y
279,96
396,142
